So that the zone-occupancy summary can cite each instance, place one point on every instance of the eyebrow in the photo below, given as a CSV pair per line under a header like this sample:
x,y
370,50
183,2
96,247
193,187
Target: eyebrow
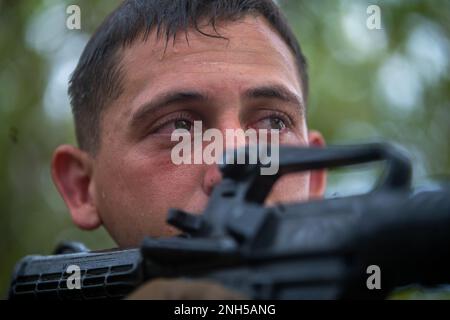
x,y
164,100
276,92
172,97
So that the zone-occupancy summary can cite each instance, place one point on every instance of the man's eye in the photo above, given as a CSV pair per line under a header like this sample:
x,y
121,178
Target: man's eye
x,y
271,123
183,124
175,124
277,123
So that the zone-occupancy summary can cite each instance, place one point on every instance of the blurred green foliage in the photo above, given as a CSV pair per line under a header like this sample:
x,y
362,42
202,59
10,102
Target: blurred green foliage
x,y
365,85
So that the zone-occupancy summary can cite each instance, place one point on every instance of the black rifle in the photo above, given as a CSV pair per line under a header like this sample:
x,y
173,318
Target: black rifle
x,y
315,250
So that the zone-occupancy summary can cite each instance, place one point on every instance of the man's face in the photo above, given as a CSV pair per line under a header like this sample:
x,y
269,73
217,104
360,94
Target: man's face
x,y
248,81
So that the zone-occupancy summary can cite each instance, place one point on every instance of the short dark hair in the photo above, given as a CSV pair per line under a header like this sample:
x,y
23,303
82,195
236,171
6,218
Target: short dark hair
x,y
97,79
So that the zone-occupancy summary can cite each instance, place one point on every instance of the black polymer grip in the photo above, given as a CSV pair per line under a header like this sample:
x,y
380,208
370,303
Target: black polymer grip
x,y
104,275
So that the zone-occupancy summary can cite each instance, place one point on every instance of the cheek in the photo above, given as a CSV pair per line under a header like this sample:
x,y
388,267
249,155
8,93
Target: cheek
x,y
135,193
290,188
152,181
293,187
293,139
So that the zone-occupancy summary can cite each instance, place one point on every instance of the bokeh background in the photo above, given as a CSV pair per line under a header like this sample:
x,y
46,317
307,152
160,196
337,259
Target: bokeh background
x,y
390,84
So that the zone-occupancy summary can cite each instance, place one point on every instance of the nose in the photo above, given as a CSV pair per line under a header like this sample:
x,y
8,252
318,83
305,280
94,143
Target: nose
x,y
211,178
229,121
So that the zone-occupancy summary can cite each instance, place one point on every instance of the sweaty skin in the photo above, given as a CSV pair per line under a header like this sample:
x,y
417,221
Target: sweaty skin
x,y
130,183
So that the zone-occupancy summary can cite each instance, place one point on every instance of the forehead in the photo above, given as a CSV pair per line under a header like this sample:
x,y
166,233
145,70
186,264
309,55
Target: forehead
x,y
251,51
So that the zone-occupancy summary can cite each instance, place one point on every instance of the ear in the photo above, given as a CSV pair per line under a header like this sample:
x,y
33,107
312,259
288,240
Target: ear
x,y
318,178
72,174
